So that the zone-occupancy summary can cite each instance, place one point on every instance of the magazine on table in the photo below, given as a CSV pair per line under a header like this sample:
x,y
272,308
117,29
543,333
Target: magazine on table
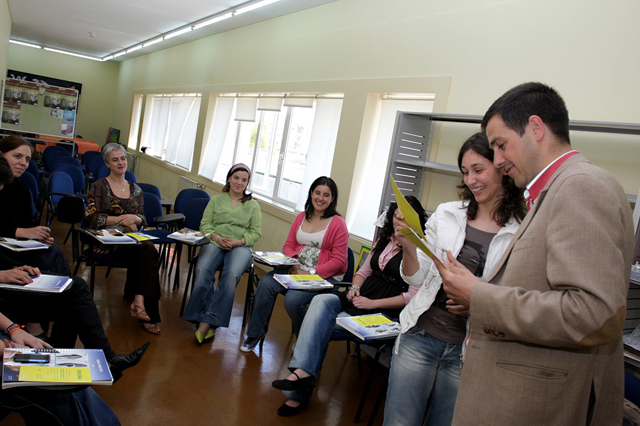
x,y
42,283
21,245
370,327
274,258
189,236
54,367
302,282
141,236
111,236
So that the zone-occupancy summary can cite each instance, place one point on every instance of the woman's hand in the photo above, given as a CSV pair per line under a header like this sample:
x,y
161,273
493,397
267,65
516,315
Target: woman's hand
x,y
21,337
297,270
362,302
40,233
29,269
15,276
129,220
352,293
227,243
404,241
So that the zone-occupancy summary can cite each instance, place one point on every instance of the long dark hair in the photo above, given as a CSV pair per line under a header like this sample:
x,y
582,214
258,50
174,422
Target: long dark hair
x,y
246,196
6,175
387,230
331,210
13,142
510,203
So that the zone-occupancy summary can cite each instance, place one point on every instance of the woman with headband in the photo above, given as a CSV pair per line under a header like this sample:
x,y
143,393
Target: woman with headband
x,y
234,221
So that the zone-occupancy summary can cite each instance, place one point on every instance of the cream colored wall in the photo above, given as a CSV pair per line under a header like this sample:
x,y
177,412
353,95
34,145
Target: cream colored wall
x,y
98,84
5,32
480,48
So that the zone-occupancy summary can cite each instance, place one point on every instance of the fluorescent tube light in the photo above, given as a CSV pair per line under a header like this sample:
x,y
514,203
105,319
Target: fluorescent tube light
x,y
22,43
134,48
154,41
107,58
212,20
177,33
120,53
254,6
72,54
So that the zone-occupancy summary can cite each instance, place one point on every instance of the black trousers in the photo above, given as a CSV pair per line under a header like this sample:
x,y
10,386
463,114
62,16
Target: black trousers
x,y
73,312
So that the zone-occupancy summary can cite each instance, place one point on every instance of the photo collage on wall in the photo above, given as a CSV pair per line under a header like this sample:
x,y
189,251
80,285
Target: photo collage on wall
x,y
41,105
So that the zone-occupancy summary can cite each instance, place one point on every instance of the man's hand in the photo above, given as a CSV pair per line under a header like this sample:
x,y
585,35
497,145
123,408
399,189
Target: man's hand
x,y
458,282
15,276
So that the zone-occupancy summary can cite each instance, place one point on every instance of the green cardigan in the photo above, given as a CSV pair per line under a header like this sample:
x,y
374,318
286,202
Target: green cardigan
x,y
245,220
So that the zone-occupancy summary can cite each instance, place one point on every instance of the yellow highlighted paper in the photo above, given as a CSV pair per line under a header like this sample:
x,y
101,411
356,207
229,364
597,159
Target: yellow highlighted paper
x,y
411,217
37,373
369,320
304,277
137,237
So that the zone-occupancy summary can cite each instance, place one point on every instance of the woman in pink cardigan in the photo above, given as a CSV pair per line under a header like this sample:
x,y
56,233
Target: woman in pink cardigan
x,y
318,239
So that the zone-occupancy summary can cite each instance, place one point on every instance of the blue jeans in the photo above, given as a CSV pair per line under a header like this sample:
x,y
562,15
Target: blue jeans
x,y
424,370
213,305
295,302
318,328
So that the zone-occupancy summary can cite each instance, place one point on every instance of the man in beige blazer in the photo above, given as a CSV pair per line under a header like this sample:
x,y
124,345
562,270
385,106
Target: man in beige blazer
x,y
546,328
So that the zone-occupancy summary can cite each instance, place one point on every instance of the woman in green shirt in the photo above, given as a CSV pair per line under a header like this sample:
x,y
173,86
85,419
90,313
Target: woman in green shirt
x,y
234,221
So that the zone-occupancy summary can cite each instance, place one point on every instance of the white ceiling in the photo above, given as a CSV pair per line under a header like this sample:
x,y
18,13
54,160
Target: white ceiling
x,y
99,28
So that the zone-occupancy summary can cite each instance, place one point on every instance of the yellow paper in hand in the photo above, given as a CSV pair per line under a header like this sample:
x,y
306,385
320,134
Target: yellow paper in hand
x,y
419,242
36,373
411,217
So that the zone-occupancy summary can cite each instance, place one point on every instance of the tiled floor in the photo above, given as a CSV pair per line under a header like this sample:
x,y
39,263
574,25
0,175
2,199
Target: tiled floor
x,y
180,383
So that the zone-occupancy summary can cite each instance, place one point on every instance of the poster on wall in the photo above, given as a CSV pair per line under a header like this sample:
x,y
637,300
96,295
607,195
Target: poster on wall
x,y
40,105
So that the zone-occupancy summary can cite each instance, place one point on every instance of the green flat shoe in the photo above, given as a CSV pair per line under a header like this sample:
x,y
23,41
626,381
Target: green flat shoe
x,y
210,334
199,337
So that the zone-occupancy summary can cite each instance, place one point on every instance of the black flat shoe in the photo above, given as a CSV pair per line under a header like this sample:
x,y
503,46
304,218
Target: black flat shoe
x,y
288,411
120,362
306,384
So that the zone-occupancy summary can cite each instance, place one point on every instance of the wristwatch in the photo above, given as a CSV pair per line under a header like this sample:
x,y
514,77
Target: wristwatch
x,y
312,271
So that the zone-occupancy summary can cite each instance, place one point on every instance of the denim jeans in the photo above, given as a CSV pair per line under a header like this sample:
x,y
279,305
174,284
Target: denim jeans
x,y
424,370
318,328
295,302
213,305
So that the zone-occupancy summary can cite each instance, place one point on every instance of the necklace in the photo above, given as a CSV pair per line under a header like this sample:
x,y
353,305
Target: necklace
x,y
119,187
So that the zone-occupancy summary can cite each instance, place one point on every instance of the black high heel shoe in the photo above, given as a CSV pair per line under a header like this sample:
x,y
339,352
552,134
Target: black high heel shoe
x,y
288,411
120,362
306,384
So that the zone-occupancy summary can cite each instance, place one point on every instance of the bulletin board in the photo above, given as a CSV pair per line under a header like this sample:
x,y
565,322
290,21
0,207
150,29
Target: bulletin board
x,y
33,104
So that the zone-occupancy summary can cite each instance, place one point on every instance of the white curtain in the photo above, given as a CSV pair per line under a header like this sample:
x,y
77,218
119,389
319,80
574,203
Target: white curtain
x,y
154,140
321,145
246,109
221,120
181,134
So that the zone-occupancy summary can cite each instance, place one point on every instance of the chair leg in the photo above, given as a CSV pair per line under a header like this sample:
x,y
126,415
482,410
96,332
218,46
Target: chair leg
x,y
176,278
68,233
107,274
93,277
248,299
378,404
367,386
187,287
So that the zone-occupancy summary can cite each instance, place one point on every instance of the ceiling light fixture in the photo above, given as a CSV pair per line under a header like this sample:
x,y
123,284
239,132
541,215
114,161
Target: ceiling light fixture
x,y
177,33
107,58
120,53
154,41
22,43
213,20
72,54
254,6
134,48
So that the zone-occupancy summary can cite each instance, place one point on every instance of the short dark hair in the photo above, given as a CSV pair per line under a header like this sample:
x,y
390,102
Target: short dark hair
x,y
331,210
512,201
13,142
518,104
6,175
387,230
246,196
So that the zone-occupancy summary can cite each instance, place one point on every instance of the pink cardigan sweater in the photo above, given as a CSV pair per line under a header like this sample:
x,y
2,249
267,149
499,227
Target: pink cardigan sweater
x,y
333,252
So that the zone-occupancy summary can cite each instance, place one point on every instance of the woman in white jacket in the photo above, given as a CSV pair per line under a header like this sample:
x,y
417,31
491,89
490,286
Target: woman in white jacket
x,y
425,368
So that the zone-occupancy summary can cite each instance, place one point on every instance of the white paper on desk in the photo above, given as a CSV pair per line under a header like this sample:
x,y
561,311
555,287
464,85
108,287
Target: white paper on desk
x,y
633,339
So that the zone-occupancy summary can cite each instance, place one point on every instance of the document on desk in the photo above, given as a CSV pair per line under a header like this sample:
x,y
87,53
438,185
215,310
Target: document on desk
x,y
632,341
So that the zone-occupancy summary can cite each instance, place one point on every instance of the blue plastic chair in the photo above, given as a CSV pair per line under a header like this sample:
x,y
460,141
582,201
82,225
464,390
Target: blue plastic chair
x,y
50,154
88,156
60,185
152,210
150,189
35,193
67,160
34,170
130,177
76,174
102,172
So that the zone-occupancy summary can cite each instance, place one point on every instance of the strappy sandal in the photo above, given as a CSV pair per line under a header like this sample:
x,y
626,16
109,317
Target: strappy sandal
x,y
138,312
151,328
